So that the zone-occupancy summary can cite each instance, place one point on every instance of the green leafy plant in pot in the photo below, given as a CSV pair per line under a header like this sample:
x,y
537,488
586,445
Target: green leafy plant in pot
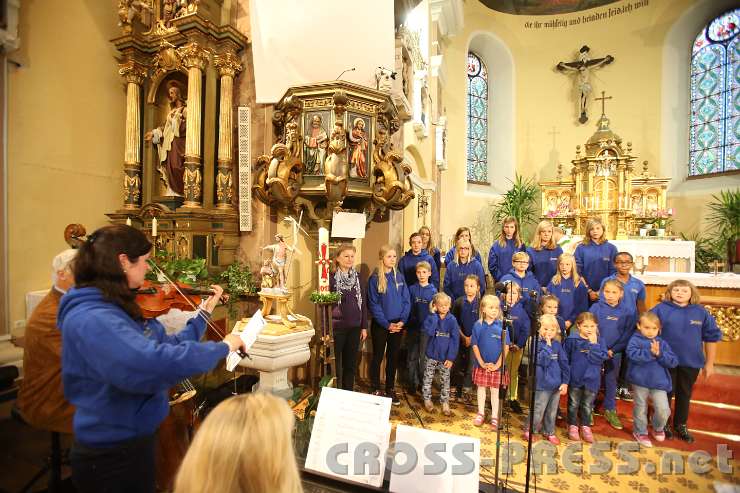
x,y
520,201
724,221
237,280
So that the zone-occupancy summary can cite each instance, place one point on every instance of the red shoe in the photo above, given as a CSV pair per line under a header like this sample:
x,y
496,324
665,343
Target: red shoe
x,y
553,439
587,435
573,433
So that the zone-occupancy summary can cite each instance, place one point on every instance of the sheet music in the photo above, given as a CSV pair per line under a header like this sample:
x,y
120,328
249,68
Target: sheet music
x,y
352,418
249,335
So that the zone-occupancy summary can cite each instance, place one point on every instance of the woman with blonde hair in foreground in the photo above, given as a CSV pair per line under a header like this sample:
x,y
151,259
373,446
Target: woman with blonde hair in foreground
x,y
243,446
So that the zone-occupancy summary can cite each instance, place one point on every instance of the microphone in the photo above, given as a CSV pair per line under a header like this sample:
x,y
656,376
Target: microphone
x,y
501,286
348,70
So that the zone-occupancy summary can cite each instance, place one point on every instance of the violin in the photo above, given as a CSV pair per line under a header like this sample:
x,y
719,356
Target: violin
x,y
157,299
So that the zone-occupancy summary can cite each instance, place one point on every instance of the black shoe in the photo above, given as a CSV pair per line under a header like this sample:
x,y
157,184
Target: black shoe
x,y
394,398
682,432
668,433
515,407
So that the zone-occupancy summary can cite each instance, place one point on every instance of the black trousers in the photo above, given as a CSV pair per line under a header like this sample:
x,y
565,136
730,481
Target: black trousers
x,y
125,468
346,345
385,342
683,379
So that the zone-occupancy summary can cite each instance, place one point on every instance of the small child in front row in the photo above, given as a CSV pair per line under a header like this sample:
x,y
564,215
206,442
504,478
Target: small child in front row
x,y
570,289
586,354
521,325
550,305
553,375
489,352
650,359
421,295
442,344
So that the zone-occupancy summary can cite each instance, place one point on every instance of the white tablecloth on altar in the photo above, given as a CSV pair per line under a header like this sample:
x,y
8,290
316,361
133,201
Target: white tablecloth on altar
x,y
657,248
725,280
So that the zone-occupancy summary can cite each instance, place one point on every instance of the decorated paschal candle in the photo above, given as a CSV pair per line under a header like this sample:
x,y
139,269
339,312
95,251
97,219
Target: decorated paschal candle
x,y
323,260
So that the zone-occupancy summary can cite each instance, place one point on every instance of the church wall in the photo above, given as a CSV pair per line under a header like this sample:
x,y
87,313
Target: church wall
x,y
66,112
546,101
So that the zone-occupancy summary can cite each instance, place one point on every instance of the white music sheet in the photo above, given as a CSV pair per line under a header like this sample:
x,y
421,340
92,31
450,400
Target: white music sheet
x,y
249,336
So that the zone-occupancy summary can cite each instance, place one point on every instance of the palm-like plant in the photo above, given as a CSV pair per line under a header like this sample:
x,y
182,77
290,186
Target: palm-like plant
x,y
724,217
519,201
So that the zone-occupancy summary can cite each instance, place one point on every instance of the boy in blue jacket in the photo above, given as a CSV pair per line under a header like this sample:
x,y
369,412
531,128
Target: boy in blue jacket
x,y
650,360
520,275
421,295
553,375
586,354
521,325
442,330
616,326
407,264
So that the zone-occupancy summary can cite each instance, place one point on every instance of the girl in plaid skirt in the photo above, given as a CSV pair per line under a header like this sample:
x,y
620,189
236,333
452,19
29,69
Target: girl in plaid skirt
x,y
489,353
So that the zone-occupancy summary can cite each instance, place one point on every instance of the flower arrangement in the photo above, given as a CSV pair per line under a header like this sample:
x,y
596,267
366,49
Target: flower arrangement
x,y
663,218
562,210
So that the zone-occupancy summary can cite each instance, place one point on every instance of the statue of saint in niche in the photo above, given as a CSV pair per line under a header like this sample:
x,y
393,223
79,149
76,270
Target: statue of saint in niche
x,y
358,148
169,138
315,142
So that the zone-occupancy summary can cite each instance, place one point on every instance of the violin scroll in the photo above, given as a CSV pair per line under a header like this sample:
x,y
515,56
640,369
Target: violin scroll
x,y
74,235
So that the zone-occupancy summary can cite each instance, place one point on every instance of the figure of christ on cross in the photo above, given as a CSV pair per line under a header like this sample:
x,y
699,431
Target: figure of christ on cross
x,y
583,67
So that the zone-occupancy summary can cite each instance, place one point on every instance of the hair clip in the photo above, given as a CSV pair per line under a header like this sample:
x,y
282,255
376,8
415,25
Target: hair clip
x,y
91,238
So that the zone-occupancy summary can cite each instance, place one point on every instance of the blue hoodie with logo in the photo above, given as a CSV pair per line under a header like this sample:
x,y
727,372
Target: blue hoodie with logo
x,y
521,324
444,337
553,369
407,265
528,282
117,371
455,277
573,299
420,296
544,263
392,306
585,361
646,369
616,324
467,313
685,329
595,262
499,258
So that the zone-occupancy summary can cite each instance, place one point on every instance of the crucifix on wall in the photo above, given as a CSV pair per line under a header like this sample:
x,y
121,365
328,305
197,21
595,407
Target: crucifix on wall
x,y
583,67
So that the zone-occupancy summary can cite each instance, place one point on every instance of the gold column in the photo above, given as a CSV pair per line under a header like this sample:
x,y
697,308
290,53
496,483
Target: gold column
x,y
134,74
228,65
194,58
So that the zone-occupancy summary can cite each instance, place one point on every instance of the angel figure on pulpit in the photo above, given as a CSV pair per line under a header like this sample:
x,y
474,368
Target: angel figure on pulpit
x,y
358,148
169,138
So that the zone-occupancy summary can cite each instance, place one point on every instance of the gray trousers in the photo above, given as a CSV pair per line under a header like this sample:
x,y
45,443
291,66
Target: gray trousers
x,y
426,389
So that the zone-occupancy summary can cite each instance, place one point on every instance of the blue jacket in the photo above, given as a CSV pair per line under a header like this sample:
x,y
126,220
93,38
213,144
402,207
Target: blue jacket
x,y
685,329
645,369
117,371
444,337
585,361
634,290
456,274
552,366
407,265
450,256
437,258
528,282
420,299
573,300
544,263
394,304
466,313
487,337
521,324
499,258
616,325
595,262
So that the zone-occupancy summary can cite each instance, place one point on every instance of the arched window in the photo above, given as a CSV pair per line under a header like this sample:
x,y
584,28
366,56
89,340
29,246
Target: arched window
x,y
715,97
477,108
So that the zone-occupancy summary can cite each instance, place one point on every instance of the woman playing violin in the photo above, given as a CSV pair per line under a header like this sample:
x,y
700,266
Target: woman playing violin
x,y
117,366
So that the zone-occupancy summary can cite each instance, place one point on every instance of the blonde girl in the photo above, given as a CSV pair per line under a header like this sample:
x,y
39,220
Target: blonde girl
x,y
544,253
568,287
595,257
428,245
390,305
229,452
462,234
489,352
508,243
443,339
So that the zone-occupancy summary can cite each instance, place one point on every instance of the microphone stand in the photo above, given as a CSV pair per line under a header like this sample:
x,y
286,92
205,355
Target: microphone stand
x,y
534,335
506,328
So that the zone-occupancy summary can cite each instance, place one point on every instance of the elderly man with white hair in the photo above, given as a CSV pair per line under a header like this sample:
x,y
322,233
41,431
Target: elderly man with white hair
x,y
41,399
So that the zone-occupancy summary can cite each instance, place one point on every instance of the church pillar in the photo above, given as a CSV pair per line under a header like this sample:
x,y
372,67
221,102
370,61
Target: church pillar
x,y
134,75
228,65
194,58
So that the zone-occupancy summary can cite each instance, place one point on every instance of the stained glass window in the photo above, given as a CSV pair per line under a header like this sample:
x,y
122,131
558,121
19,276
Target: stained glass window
x,y
477,108
715,97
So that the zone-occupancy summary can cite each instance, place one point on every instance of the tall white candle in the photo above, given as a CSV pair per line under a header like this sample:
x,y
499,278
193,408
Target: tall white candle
x,y
154,226
323,260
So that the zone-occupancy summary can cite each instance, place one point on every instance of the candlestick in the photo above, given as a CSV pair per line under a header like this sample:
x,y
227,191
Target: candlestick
x,y
154,226
128,221
323,260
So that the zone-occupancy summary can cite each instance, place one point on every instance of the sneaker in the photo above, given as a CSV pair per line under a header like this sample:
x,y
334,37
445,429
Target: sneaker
x,y
626,394
515,407
573,433
613,419
478,420
429,406
394,398
446,409
588,437
668,433
659,436
643,440
553,439
682,432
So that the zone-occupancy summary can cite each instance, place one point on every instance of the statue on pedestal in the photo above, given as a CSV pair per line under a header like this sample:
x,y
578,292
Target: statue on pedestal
x,y
280,252
169,139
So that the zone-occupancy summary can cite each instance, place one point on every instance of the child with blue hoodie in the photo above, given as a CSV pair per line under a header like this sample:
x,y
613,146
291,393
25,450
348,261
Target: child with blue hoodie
x,y
595,257
693,334
553,375
586,354
390,305
416,254
520,275
508,243
650,359
466,311
421,295
616,325
443,339
549,305
570,289
520,328
460,268
544,253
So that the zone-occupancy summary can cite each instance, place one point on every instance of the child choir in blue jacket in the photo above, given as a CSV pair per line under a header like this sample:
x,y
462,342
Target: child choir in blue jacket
x,y
549,305
413,256
508,243
595,257
462,235
443,338
421,295
390,305
460,268
693,334
467,312
544,253
520,275
553,376
570,289
521,325
650,359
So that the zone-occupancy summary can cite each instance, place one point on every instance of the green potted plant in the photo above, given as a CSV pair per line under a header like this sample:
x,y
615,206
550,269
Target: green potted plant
x,y
238,282
520,201
191,271
724,221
